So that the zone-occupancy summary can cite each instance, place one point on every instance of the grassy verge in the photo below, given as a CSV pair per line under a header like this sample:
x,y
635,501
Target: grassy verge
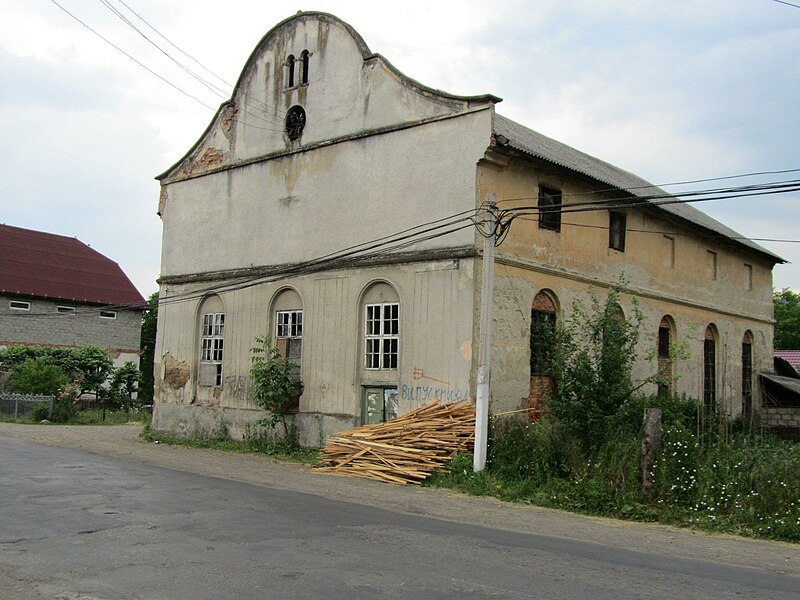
x,y
277,448
86,417
742,485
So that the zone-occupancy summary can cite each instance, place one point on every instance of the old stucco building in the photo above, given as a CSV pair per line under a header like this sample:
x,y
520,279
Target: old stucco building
x,y
293,217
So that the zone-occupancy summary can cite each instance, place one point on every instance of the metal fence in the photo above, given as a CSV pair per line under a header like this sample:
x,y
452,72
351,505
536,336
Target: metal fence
x,y
20,406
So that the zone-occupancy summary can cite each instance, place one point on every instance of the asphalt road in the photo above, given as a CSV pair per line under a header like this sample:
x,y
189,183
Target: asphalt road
x,y
133,520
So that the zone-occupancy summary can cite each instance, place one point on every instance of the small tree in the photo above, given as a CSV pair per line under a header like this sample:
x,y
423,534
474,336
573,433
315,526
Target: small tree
x,y
123,384
591,357
274,386
148,347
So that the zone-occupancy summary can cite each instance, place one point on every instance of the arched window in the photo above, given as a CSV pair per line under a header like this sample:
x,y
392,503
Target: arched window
x,y
380,327
666,334
287,319
747,374
290,71
543,327
710,368
304,55
212,341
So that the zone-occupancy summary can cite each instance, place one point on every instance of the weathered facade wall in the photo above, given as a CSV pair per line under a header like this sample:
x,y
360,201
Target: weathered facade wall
x,y
44,325
434,361
664,266
301,206
380,154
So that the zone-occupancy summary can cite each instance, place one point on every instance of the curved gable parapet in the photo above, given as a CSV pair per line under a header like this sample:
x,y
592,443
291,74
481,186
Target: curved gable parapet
x,y
311,79
433,93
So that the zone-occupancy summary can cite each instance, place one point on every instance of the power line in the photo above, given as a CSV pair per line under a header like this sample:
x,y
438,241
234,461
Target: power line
x,y
166,39
787,3
214,89
151,71
379,247
148,69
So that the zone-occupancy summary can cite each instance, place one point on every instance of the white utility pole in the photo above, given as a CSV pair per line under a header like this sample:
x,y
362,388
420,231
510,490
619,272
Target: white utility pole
x,y
487,292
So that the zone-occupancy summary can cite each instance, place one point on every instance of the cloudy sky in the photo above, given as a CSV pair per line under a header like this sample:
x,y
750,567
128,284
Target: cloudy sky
x,y
669,89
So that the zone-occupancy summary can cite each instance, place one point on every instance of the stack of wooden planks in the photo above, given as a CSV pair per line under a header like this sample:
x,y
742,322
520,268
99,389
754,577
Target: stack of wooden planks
x,y
405,450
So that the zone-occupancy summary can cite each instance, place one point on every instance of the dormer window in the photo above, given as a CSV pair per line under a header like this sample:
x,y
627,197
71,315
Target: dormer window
x,y
290,66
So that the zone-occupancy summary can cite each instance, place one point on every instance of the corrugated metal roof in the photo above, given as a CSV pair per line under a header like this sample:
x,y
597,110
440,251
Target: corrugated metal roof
x,y
45,265
535,144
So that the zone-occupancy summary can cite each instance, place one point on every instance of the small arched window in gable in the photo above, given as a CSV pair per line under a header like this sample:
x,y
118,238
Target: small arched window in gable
x,y
290,71
304,56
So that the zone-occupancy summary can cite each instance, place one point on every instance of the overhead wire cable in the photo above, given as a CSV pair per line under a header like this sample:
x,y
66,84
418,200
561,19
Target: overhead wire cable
x,y
145,67
214,89
178,48
663,185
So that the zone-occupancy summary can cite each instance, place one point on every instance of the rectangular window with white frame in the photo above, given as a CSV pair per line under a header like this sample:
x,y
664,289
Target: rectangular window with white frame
x,y
289,336
19,305
66,310
382,335
211,350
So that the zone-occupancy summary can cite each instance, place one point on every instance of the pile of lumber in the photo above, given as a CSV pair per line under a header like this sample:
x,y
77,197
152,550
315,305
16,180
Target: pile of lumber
x,y
404,450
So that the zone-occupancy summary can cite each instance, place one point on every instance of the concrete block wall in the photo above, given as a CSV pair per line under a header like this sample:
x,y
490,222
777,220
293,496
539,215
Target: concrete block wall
x,y
43,324
788,416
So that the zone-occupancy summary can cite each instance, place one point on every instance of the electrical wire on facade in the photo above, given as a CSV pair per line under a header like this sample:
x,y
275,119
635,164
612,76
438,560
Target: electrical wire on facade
x,y
377,248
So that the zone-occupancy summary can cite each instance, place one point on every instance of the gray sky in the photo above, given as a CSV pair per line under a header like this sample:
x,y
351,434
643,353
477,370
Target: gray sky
x,y
668,89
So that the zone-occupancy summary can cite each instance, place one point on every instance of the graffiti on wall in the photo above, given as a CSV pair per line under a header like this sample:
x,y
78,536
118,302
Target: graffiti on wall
x,y
425,388
235,386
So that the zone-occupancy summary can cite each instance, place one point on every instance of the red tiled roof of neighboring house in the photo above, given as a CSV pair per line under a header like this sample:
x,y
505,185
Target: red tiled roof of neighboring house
x,y
790,356
45,265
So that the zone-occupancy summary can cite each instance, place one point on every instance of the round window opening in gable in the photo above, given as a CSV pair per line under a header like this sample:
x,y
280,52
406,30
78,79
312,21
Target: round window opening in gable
x,y
295,122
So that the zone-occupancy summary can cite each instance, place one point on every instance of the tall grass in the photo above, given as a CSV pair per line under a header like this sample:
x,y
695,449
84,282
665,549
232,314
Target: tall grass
x,y
734,483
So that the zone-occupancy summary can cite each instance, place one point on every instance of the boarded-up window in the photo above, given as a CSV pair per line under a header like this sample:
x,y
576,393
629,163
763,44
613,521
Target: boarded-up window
x,y
668,251
711,265
748,277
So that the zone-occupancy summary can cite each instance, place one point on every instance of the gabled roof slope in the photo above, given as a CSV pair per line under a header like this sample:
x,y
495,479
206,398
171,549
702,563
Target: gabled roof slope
x,y
535,144
45,265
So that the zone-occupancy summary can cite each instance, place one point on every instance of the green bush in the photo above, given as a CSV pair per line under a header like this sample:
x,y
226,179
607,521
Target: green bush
x,y
38,376
274,385
40,412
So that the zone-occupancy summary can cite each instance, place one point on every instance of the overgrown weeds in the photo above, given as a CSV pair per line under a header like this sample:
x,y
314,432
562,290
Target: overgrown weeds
x,y
585,456
743,485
